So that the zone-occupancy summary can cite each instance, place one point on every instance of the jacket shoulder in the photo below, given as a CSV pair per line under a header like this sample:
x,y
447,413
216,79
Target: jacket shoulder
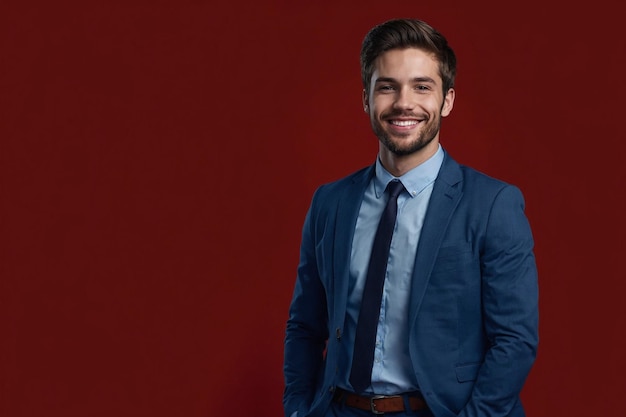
x,y
335,189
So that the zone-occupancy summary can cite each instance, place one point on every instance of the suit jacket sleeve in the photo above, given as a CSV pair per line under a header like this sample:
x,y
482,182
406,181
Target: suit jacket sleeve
x,y
306,332
510,308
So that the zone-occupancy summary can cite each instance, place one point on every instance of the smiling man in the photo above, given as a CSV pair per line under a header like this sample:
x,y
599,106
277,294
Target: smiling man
x,y
406,100
416,292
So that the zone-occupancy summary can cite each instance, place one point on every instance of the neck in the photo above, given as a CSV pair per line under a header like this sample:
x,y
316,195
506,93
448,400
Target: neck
x,y
398,165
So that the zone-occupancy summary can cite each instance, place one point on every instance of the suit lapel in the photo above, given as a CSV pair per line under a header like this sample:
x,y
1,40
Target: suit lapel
x,y
444,199
347,212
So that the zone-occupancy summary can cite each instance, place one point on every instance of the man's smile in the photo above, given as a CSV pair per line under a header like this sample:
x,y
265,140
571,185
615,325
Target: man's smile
x,y
404,123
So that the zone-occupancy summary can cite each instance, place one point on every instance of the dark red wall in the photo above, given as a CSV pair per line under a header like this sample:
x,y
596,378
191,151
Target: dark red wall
x,y
157,159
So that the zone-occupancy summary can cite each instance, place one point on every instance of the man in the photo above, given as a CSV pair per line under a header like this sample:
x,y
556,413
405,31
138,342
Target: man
x,y
455,329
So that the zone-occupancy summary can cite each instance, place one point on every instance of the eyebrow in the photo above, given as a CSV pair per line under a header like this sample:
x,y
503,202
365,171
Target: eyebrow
x,y
415,80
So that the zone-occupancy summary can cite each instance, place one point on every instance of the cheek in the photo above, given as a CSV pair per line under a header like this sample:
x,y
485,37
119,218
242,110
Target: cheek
x,y
379,106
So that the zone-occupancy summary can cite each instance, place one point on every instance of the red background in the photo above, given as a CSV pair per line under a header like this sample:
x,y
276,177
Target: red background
x,y
157,159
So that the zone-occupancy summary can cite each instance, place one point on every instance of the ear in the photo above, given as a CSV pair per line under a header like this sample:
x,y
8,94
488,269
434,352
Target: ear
x,y
365,98
448,103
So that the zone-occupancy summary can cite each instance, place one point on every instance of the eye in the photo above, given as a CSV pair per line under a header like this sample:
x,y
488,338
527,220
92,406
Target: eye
x,y
422,87
386,87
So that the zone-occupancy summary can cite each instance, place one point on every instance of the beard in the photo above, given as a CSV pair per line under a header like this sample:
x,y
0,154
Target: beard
x,y
425,136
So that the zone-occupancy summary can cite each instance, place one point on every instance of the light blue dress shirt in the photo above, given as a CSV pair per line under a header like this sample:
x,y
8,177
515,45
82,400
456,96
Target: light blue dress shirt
x,y
392,372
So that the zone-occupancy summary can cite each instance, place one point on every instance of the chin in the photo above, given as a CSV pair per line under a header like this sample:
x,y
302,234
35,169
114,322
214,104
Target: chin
x,y
402,148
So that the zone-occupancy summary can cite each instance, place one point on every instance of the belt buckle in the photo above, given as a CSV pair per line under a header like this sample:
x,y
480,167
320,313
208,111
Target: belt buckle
x,y
373,404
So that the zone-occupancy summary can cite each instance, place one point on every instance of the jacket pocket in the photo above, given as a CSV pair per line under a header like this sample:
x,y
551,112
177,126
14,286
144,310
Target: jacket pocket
x,y
452,258
467,372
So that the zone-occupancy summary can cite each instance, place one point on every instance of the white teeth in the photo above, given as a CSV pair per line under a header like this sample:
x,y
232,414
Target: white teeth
x,y
404,122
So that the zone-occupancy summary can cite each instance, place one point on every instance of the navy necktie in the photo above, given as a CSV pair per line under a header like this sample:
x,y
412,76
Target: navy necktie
x,y
365,337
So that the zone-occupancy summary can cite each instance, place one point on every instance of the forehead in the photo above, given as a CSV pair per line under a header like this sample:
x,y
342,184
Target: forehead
x,y
407,62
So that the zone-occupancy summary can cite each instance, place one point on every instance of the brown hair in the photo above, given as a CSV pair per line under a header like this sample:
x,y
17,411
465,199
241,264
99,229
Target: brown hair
x,y
407,33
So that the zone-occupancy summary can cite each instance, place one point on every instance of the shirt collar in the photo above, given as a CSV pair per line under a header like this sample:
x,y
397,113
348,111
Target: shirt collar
x,y
415,180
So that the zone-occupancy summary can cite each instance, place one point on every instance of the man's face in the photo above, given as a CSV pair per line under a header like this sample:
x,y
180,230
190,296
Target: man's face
x,y
405,102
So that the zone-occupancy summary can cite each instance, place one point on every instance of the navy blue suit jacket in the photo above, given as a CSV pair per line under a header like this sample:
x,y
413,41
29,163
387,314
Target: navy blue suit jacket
x,y
473,306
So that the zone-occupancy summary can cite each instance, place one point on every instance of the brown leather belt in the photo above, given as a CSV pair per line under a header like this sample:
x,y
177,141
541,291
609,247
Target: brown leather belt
x,y
379,404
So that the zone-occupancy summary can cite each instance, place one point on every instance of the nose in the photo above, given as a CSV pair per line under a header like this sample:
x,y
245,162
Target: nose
x,y
405,100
